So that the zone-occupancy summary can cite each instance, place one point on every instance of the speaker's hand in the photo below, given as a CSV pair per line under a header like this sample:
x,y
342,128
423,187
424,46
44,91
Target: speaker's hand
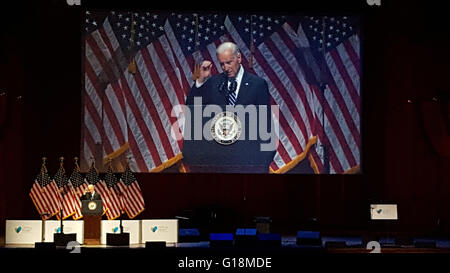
x,y
205,71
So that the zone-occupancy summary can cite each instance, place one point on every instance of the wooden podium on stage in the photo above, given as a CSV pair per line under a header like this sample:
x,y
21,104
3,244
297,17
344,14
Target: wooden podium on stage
x,y
92,213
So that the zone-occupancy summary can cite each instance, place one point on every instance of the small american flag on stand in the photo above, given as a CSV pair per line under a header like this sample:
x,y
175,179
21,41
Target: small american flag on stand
x,y
115,195
68,196
93,178
79,185
133,198
45,194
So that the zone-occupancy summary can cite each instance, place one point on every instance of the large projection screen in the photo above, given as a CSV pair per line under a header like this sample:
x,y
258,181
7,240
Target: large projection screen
x,y
300,78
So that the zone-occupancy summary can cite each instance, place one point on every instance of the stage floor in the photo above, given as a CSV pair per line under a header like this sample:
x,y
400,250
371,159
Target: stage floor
x,y
288,243
204,257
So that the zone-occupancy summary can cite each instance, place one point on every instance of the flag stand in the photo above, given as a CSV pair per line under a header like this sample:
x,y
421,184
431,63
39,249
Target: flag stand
x,y
45,214
61,221
120,239
43,244
120,224
122,205
62,239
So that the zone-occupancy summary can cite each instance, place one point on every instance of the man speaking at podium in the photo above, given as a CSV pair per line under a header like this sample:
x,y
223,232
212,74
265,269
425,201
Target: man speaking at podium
x,y
243,100
92,215
233,86
91,194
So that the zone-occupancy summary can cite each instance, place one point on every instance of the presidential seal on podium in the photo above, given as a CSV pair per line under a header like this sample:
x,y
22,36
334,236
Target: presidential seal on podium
x,y
92,205
226,128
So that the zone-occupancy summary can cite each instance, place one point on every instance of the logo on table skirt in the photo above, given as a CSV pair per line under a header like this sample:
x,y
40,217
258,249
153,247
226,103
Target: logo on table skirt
x,y
115,229
18,229
154,228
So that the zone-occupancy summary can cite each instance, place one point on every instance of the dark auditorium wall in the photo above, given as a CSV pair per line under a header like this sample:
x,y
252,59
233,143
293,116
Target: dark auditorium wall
x,y
404,58
12,88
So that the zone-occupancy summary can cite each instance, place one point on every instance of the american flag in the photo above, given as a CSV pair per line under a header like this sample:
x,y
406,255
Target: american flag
x,y
335,44
79,186
115,194
68,196
92,177
133,198
130,113
45,195
316,89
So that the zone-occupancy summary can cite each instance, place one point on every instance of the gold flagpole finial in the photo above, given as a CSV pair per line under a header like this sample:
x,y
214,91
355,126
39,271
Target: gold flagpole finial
x,y
44,169
61,165
61,161
76,163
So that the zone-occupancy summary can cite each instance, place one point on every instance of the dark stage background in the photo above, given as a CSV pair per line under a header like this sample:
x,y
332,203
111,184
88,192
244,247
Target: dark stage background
x,y
405,57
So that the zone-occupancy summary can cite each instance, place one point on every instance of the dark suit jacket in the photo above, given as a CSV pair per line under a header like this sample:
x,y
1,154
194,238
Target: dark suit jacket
x,y
87,196
253,90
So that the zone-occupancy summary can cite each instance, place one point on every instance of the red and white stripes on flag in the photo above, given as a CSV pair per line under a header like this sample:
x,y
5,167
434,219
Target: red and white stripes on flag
x,y
340,105
67,193
68,201
77,204
45,195
114,196
113,201
42,199
78,191
119,190
104,109
79,187
125,111
133,199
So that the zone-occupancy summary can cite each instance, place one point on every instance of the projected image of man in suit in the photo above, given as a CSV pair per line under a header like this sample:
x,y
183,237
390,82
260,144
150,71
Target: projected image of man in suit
x,y
233,86
244,95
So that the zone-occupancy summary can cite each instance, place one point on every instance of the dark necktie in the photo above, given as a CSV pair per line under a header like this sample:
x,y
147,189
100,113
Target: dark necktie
x,y
232,91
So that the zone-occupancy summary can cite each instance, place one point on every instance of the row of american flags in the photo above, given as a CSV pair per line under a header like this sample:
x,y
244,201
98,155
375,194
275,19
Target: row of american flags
x,y
60,196
139,65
